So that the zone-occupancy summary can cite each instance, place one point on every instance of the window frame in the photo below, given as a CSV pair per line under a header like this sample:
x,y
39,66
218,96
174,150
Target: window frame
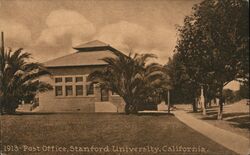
x,y
58,86
68,77
55,80
68,86
81,77
76,86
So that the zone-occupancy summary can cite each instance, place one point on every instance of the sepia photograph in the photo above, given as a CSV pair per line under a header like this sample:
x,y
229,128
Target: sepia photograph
x,y
124,77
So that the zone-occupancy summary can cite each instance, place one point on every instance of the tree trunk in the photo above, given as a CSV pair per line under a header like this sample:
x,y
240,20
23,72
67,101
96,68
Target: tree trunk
x,y
1,110
131,108
194,105
169,105
221,102
127,112
220,113
127,105
1,106
203,103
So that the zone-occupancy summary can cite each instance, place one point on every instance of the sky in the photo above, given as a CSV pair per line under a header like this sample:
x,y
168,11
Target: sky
x,y
50,28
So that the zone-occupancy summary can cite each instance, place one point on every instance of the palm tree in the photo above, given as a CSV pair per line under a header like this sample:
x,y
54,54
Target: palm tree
x,y
130,77
19,79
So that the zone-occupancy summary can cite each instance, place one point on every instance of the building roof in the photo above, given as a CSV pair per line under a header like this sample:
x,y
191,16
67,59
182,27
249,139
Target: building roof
x,y
87,54
91,44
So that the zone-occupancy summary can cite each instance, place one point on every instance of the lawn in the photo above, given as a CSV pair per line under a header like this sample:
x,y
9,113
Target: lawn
x,y
236,117
102,134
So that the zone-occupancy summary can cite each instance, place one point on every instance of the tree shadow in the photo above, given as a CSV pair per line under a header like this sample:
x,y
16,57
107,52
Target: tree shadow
x,y
210,118
235,114
30,113
211,112
241,122
155,114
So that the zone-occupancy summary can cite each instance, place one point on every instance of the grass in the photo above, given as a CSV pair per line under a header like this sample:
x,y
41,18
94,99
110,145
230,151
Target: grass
x,y
241,122
236,117
102,130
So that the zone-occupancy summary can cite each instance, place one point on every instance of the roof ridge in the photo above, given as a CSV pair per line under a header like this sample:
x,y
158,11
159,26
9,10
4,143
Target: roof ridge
x,y
92,44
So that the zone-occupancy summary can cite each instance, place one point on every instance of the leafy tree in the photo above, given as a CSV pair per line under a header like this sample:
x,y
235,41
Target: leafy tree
x,y
213,44
130,77
243,92
19,79
180,82
229,95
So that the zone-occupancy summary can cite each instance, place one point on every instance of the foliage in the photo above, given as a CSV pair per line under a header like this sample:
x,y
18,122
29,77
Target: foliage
x,y
229,95
19,79
213,45
130,77
180,81
243,92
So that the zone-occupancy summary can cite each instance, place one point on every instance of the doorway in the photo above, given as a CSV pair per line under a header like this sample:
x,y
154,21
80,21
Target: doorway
x,y
104,95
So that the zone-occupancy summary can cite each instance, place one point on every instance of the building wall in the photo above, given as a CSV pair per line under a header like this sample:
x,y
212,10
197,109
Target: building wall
x,y
49,102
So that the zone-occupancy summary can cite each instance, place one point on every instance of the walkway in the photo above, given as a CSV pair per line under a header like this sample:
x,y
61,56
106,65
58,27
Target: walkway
x,y
225,138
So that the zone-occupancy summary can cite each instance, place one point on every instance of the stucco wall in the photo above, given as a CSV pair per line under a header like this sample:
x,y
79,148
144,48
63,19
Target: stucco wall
x,y
48,102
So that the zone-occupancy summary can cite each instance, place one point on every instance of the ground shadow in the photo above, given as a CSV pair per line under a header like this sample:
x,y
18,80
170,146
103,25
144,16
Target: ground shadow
x,y
211,112
155,114
210,118
241,122
30,113
235,114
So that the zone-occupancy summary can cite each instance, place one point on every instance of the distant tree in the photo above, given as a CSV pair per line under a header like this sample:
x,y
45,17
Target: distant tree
x,y
229,95
181,82
130,77
213,44
243,92
19,79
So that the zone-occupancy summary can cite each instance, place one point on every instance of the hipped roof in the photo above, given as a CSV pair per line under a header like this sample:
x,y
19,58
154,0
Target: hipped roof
x,y
87,54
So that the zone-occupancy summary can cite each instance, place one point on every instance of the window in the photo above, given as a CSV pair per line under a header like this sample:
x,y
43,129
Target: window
x,y
79,90
68,79
58,90
68,90
90,89
79,79
58,80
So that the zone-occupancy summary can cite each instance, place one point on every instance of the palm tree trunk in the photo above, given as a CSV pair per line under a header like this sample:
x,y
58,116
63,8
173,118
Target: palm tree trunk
x,y
127,112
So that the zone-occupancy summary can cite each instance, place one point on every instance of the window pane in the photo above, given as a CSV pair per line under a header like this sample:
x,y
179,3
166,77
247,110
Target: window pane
x,y
79,79
79,90
90,89
57,80
69,90
58,90
68,79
